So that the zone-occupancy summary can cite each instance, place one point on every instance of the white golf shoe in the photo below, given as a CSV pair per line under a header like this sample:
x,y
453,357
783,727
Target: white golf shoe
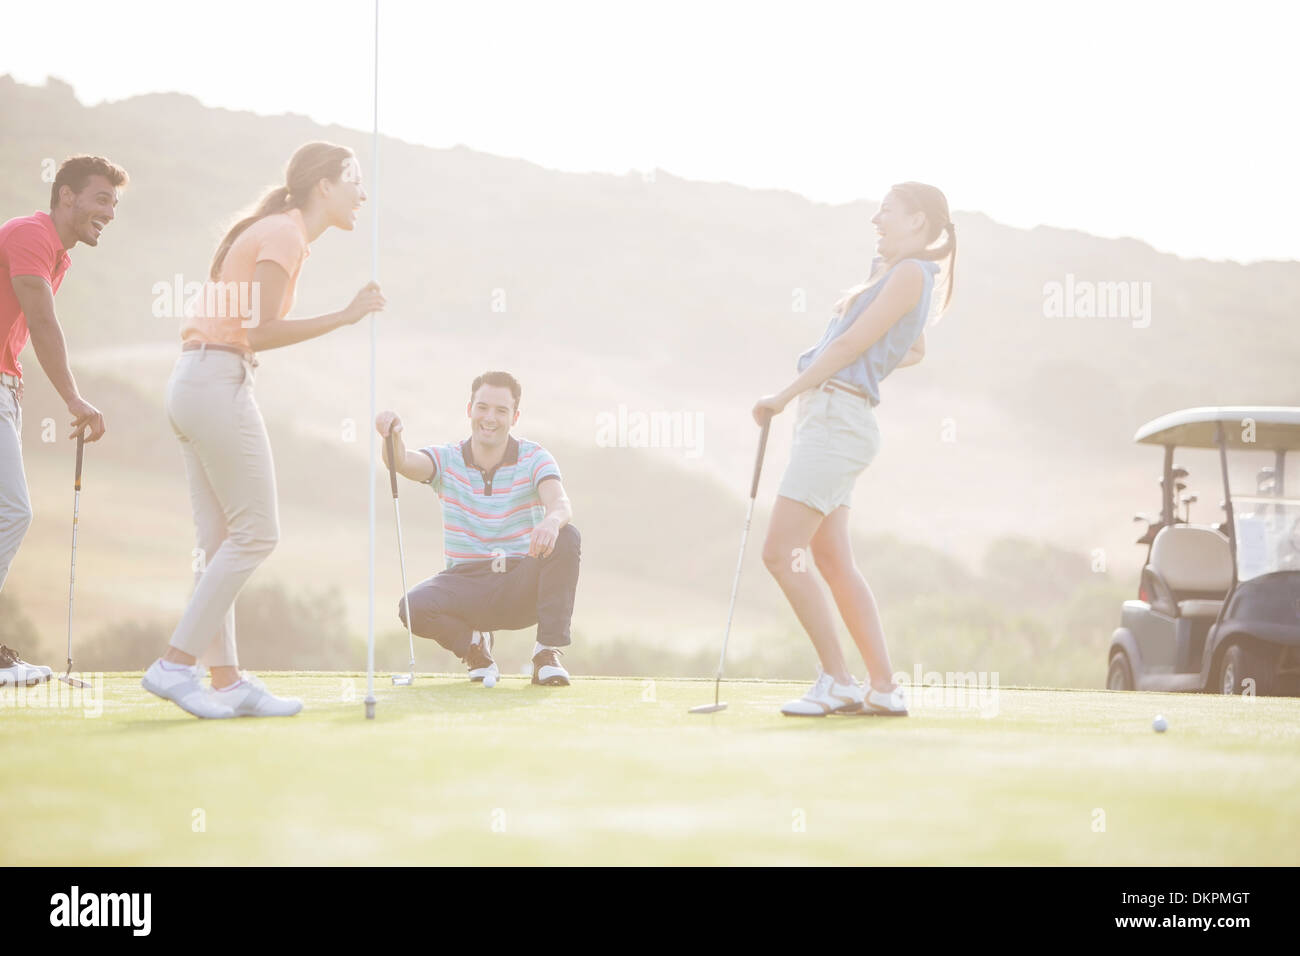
x,y
250,698
479,658
547,668
15,670
182,687
826,697
881,704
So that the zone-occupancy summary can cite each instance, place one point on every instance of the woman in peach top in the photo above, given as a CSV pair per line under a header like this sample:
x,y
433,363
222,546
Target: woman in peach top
x,y
216,419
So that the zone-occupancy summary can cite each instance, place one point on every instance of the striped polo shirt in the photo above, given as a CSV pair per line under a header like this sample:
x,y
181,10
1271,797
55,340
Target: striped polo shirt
x,y
488,514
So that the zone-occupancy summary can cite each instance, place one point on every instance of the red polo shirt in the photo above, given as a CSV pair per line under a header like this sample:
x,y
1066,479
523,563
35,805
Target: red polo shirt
x,y
29,246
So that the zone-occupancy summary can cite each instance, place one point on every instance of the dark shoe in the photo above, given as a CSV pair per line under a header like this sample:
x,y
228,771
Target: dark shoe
x,y
479,659
548,670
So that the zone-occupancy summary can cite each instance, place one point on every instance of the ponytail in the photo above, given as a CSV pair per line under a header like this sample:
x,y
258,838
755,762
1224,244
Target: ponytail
x,y
277,200
922,197
947,251
309,165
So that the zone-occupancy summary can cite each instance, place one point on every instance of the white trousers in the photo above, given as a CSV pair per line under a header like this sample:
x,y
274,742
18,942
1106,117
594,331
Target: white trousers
x,y
232,494
15,505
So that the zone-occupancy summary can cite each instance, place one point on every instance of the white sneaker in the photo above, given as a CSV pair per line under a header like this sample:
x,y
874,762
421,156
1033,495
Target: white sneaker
x,y
14,670
250,698
182,688
826,697
892,704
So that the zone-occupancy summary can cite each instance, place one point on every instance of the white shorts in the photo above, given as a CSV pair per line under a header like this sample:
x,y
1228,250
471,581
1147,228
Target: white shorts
x,y
835,437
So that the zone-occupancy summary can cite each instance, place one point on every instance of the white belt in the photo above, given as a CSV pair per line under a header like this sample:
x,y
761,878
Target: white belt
x,y
13,381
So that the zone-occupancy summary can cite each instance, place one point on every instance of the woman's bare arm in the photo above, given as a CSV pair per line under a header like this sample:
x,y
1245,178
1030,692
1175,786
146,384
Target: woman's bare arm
x,y
899,296
269,332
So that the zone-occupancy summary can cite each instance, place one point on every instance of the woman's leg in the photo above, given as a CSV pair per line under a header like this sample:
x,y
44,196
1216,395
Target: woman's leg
x,y
220,656
227,438
792,528
834,556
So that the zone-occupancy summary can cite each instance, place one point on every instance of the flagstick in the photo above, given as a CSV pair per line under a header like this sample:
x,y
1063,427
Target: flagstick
x,y
374,338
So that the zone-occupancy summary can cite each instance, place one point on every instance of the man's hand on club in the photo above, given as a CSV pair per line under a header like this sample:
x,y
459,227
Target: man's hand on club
x,y
386,422
85,418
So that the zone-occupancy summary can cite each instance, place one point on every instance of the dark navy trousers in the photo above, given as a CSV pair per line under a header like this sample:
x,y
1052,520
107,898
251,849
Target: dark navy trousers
x,y
509,595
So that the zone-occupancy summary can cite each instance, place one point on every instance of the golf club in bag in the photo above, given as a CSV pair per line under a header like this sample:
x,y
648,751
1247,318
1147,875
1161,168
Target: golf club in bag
x,y
67,677
714,707
401,680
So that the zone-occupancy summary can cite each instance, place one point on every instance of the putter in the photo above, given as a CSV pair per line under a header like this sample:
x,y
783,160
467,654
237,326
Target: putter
x,y
401,680
716,706
67,677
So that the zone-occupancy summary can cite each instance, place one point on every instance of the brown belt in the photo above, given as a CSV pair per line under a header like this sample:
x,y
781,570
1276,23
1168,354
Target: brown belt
x,y
245,354
831,383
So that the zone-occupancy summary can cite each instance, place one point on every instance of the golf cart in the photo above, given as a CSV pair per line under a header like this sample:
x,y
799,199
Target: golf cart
x,y
1218,605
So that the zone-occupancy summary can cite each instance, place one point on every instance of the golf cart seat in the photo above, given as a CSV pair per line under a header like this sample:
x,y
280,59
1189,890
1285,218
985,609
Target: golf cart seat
x,y
1194,563
1199,608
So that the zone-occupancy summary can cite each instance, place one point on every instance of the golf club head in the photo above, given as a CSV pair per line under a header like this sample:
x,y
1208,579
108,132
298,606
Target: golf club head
x,y
72,681
403,680
708,708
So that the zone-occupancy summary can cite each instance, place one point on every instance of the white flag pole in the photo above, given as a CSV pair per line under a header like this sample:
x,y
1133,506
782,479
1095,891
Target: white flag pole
x,y
374,337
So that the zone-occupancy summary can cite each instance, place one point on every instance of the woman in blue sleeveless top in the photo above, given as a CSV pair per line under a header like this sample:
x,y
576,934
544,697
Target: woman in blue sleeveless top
x,y
877,327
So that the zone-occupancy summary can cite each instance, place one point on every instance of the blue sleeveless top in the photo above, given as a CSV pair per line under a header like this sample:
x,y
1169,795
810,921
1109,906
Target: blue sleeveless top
x,y
870,368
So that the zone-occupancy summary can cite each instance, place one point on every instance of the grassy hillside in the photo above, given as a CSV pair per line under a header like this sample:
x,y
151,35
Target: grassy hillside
x,y
649,295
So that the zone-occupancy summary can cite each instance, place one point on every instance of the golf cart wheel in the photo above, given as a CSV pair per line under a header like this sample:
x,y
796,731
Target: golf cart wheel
x,y
1120,676
1245,669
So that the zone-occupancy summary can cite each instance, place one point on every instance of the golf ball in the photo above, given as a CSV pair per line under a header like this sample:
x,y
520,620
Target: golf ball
x,y
490,681
1160,725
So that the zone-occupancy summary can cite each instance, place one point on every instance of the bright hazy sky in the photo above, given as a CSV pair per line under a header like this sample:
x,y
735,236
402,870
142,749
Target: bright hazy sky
x,y
1171,122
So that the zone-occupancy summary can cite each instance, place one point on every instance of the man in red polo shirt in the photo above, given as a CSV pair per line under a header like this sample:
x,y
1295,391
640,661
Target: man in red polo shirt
x,y
33,262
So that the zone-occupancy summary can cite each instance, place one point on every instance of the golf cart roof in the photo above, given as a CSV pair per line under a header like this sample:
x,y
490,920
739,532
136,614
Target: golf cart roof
x,y
1276,427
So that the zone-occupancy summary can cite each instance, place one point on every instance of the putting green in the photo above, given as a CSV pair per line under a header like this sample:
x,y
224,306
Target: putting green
x,y
616,772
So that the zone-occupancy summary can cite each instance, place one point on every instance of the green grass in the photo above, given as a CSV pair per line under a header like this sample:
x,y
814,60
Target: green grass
x,y
616,772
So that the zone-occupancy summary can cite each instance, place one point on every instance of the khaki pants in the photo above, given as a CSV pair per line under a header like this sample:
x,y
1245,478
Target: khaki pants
x,y
15,505
232,493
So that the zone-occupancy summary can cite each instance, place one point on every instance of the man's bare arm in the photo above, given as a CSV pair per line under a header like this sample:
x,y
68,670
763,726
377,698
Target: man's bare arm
x,y
556,501
37,302
559,512
415,465
36,299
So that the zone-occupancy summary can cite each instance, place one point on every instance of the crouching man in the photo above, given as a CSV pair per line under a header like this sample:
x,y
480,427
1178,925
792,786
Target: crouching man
x,y
507,568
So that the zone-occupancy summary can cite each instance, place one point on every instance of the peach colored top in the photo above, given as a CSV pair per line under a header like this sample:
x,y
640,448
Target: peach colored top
x,y
224,312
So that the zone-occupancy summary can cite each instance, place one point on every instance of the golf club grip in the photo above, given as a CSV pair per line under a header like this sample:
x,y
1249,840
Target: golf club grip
x,y
392,462
758,462
81,445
